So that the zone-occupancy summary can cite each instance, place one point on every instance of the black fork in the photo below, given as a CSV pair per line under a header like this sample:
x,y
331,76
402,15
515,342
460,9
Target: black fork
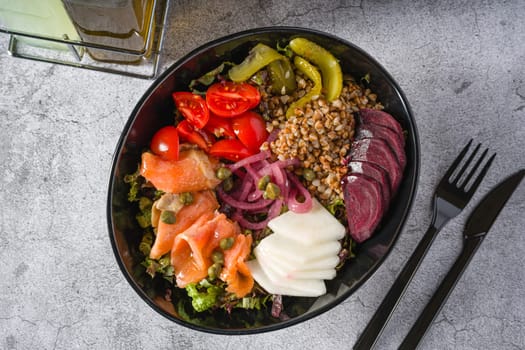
x,y
452,194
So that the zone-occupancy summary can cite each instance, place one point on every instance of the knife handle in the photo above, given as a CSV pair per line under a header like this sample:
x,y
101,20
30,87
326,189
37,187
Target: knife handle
x,y
375,326
425,319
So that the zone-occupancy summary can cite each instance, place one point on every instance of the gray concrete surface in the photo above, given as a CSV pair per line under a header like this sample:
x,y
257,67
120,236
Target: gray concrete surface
x,y
462,67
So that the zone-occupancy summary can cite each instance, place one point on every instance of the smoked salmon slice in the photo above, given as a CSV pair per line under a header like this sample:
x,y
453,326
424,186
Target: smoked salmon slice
x,y
192,249
187,256
194,171
203,205
235,272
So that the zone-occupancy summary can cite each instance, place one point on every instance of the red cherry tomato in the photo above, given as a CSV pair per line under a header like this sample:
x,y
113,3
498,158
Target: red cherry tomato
x,y
193,107
188,133
165,143
208,137
250,128
230,149
229,99
219,126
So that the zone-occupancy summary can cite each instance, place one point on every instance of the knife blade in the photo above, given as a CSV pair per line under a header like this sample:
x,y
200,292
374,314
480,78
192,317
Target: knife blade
x,y
477,227
491,205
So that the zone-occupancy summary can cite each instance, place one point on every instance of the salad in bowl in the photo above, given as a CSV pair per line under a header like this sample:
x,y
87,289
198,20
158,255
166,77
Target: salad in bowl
x,y
260,181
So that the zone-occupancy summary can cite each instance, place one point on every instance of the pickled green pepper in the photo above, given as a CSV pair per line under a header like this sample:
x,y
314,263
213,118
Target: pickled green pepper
x,y
259,57
330,69
313,74
279,68
282,76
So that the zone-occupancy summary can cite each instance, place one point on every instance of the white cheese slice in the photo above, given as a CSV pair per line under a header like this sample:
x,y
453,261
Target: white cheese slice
x,y
316,226
298,252
275,268
318,264
299,288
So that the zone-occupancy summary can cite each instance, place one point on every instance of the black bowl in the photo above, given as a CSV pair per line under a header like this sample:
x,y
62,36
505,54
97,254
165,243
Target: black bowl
x,y
155,109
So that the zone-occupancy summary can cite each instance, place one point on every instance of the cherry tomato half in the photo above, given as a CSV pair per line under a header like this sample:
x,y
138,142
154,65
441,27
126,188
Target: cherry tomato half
x,y
165,143
229,99
250,128
188,133
219,126
208,137
231,149
193,107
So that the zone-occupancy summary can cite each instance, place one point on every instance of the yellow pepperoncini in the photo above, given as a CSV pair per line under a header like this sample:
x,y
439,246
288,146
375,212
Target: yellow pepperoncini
x,y
282,77
279,68
327,63
259,57
313,74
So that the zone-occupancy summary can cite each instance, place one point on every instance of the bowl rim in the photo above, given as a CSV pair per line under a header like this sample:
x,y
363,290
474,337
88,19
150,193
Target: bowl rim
x,y
415,144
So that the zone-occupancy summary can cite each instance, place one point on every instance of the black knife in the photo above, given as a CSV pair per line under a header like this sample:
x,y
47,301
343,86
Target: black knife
x,y
476,228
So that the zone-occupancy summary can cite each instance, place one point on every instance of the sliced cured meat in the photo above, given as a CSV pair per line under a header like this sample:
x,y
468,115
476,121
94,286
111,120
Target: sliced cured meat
x,y
235,272
203,205
194,171
364,205
374,116
377,151
191,252
394,140
377,173
188,258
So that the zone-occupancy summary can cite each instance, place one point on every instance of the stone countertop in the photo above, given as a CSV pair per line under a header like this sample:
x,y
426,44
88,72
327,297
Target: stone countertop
x,y
461,65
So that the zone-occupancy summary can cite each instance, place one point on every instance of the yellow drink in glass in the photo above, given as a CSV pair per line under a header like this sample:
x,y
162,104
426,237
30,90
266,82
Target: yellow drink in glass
x,y
123,24
46,18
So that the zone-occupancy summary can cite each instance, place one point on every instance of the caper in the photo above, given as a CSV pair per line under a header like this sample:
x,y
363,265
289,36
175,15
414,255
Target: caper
x,y
145,248
300,198
247,231
272,191
145,203
168,217
227,184
308,174
147,238
226,243
217,257
263,182
223,173
186,198
143,220
213,271
164,261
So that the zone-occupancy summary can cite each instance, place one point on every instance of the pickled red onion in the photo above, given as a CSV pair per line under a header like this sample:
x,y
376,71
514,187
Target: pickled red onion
x,y
247,200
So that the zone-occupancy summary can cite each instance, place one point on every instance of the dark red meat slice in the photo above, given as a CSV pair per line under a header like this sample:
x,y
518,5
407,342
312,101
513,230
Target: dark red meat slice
x,y
374,116
377,151
394,140
364,206
375,172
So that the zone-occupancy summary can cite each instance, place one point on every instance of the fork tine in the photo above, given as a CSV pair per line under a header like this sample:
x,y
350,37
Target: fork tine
x,y
466,165
456,162
474,168
481,175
